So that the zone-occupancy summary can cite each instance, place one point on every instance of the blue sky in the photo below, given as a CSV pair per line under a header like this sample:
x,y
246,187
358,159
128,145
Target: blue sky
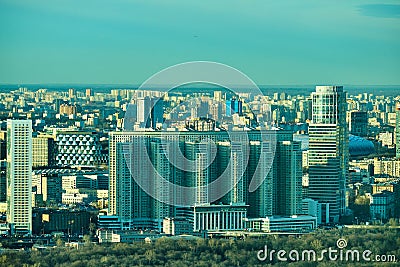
x,y
274,42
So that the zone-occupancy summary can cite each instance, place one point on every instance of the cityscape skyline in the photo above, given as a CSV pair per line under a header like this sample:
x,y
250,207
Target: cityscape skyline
x,y
199,133
129,165
326,111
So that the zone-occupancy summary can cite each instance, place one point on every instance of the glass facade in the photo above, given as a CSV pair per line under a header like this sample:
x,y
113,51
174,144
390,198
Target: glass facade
x,y
328,149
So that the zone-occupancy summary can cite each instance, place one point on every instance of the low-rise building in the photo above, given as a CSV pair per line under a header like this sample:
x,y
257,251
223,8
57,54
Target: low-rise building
x,y
219,217
4,229
120,236
391,186
46,221
49,185
387,167
75,198
280,224
382,205
110,222
177,226
313,208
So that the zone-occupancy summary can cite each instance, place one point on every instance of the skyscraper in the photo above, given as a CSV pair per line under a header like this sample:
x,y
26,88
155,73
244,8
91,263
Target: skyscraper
x,y
43,151
328,149
359,123
149,112
262,200
281,191
164,168
200,158
19,175
143,112
398,130
232,158
234,106
289,178
203,171
157,111
127,199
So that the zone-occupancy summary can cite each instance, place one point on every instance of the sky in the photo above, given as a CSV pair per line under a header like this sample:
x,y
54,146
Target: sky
x,y
285,42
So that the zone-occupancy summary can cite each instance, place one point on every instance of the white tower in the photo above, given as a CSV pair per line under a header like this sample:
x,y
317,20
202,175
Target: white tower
x,y
19,176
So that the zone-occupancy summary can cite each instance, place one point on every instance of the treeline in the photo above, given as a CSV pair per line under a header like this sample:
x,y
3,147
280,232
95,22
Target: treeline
x,y
212,252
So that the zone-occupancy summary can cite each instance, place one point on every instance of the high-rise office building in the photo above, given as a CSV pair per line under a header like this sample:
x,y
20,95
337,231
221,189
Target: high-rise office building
x,y
261,201
398,130
143,112
203,170
49,185
164,168
233,157
19,175
43,151
289,178
157,112
234,106
215,111
328,149
202,110
136,208
281,191
358,124
127,199
66,109
149,112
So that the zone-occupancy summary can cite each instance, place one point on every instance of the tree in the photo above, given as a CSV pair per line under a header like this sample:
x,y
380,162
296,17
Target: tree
x,y
393,222
59,242
209,253
150,256
87,240
92,228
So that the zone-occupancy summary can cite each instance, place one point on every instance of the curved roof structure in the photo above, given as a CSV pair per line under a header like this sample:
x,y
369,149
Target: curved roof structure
x,y
358,146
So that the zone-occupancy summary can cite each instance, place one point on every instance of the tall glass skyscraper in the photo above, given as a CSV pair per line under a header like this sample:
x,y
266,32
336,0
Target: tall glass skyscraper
x,y
19,176
289,178
149,111
163,167
232,157
262,200
328,149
